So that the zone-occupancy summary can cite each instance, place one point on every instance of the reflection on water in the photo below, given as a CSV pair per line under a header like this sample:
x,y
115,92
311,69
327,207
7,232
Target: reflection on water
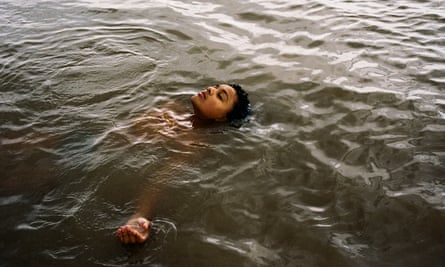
x,y
342,163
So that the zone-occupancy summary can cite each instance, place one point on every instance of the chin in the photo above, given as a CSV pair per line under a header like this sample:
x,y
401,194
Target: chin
x,y
194,98
196,110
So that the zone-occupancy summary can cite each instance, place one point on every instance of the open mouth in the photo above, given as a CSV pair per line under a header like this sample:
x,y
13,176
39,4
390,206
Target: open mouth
x,y
202,95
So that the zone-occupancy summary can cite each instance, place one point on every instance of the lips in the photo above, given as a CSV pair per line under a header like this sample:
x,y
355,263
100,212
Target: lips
x,y
202,94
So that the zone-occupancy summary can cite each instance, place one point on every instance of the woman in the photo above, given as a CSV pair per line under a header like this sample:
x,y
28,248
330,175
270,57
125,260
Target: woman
x,y
224,102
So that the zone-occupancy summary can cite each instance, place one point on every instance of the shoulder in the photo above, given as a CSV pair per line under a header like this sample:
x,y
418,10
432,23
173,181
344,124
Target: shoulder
x,y
167,119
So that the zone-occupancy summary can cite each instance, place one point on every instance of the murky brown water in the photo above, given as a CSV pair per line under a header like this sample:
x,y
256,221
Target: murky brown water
x,y
342,163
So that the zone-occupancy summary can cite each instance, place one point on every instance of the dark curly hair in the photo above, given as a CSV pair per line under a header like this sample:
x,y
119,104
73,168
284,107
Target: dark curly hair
x,y
242,108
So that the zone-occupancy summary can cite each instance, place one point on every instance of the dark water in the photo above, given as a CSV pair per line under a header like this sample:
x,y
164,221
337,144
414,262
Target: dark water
x,y
342,163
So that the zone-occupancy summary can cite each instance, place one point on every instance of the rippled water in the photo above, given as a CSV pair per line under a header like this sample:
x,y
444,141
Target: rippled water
x,y
342,163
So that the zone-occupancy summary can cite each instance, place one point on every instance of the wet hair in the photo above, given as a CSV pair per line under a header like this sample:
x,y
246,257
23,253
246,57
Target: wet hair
x,y
241,109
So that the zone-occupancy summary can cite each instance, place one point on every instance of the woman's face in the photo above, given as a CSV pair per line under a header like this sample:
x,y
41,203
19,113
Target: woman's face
x,y
215,102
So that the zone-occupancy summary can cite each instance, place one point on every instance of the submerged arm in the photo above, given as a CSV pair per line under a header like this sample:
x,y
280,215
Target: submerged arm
x,y
181,139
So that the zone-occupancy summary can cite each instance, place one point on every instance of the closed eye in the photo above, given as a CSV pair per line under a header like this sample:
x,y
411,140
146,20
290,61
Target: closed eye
x,y
223,95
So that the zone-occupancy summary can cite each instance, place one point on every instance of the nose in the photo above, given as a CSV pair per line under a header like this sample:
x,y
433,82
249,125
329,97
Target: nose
x,y
210,90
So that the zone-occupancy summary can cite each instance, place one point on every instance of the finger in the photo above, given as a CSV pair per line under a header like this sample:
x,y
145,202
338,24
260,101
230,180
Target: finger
x,y
145,224
119,232
126,236
132,239
139,238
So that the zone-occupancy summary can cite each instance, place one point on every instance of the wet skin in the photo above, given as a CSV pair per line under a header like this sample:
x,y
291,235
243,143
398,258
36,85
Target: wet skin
x,y
215,102
135,231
